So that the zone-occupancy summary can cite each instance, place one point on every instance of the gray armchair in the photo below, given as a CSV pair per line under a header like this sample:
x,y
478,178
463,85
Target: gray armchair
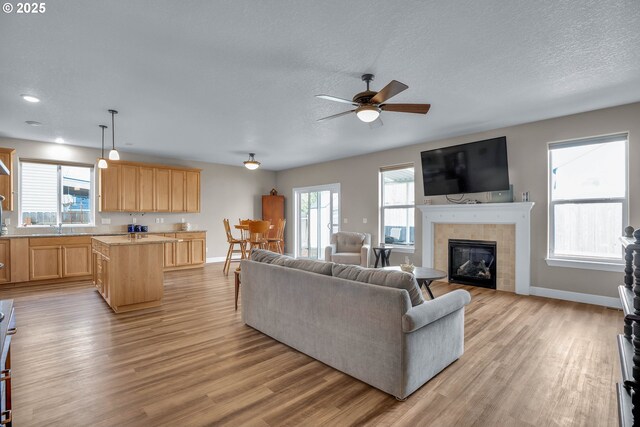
x,y
349,248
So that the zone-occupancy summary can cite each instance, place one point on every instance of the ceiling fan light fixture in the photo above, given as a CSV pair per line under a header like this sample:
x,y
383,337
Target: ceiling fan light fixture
x,y
367,113
252,163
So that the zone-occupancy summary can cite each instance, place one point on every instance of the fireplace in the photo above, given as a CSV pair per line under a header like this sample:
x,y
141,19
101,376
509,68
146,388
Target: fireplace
x,y
473,262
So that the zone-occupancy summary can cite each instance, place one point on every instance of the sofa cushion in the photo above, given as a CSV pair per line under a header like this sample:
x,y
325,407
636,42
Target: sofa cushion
x,y
310,265
346,258
349,242
268,257
374,276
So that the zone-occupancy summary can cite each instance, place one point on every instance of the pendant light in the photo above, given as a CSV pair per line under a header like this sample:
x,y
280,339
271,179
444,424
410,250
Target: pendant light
x,y
113,154
252,163
102,163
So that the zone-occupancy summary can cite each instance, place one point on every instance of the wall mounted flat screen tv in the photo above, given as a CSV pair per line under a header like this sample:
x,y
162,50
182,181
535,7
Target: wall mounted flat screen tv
x,y
467,168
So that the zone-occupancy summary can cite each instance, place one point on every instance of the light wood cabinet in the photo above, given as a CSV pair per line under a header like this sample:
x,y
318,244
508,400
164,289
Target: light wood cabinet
x,y
129,272
109,193
59,258
76,260
188,252
198,250
141,187
45,262
5,258
129,188
146,189
178,181
183,252
6,181
169,252
272,210
192,191
19,260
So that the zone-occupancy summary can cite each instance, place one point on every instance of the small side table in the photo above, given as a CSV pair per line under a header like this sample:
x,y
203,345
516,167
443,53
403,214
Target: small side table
x,y
382,256
237,277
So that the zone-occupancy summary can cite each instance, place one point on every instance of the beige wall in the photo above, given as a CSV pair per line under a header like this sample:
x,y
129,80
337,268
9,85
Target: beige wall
x,y
527,150
226,192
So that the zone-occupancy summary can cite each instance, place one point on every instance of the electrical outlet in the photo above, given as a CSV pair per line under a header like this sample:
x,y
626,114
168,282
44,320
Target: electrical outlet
x,y
364,220
106,221
183,220
345,220
134,220
207,250
7,221
161,220
157,220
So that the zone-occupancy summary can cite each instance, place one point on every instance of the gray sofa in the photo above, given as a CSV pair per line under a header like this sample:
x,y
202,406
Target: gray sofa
x,y
384,334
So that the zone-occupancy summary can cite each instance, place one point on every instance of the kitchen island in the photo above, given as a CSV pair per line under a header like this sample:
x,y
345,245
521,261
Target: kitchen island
x,y
128,270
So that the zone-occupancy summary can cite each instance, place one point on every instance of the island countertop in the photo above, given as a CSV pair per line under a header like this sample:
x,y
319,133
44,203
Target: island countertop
x,y
126,240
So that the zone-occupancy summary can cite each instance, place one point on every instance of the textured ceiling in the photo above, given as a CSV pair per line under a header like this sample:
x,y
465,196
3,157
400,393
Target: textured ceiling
x,y
215,80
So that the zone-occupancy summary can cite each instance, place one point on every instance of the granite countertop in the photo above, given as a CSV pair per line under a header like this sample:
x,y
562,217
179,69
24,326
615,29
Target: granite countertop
x,y
35,235
127,240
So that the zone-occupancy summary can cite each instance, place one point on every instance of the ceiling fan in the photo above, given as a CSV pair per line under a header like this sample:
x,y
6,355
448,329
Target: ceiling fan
x,y
369,103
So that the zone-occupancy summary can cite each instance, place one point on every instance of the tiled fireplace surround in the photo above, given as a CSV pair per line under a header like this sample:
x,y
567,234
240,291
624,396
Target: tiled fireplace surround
x,y
508,224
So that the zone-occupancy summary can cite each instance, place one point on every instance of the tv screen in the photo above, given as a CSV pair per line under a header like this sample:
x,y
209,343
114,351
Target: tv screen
x,y
468,168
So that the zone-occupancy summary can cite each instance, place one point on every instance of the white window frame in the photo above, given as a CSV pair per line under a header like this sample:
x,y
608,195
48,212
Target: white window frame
x,y
397,248
92,195
589,263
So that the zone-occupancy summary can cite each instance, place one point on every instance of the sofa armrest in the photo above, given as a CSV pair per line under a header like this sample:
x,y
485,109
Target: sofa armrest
x,y
364,255
329,251
430,311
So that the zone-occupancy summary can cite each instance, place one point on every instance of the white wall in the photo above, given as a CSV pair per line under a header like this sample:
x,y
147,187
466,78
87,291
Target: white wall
x,y
527,151
226,192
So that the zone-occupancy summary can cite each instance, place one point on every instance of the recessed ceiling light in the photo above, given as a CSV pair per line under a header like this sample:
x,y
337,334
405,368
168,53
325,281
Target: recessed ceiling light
x,y
30,98
60,140
33,123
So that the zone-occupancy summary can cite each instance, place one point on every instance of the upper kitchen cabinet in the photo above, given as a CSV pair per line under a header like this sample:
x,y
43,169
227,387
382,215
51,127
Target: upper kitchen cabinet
x,y
140,187
6,181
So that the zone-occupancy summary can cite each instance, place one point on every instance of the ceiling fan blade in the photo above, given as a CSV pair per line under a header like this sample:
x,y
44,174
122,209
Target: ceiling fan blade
x,y
335,115
389,91
377,123
407,108
333,98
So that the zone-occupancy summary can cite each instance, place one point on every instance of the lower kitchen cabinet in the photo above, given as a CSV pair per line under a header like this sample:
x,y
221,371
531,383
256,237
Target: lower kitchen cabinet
x,y
59,258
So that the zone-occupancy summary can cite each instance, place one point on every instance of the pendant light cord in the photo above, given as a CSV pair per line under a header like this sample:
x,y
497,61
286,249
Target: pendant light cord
x,y
103,128
113,129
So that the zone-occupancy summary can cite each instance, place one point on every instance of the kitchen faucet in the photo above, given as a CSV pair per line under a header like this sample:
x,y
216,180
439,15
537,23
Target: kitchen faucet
x,y
58,227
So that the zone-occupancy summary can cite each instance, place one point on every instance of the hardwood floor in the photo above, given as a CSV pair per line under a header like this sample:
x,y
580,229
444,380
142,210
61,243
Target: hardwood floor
x,y
192,362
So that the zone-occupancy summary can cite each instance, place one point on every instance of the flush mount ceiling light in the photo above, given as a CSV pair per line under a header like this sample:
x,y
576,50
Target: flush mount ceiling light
x,y
30,98
33,123
113,154
102,163
367,113
252,163
59,140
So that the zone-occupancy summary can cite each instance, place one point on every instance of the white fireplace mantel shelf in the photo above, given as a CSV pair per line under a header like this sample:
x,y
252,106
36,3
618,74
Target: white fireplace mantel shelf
x,y
485,213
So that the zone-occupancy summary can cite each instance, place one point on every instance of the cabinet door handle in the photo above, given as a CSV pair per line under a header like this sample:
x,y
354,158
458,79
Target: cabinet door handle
x,y
7,417
5,374
12,331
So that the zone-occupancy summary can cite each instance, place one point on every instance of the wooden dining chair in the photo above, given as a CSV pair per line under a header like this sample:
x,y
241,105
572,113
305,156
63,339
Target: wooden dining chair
x,y
242,246
258,231
276,243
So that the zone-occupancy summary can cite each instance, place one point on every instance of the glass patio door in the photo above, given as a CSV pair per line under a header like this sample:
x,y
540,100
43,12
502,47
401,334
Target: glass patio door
x,y
317,217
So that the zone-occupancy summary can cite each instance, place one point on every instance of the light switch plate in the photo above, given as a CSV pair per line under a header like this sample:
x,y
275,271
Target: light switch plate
x,y
364,220
7,221
345,220
134,220
157,220
106,221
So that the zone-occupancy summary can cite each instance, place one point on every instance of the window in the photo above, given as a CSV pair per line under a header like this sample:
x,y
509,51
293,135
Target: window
x,y
54,193
397,205
588,198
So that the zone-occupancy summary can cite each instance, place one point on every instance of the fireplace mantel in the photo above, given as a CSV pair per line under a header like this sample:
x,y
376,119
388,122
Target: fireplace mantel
x,y
486,213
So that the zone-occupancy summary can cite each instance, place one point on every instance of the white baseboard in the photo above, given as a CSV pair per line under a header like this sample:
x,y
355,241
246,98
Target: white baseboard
x,y
576,297
216,259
